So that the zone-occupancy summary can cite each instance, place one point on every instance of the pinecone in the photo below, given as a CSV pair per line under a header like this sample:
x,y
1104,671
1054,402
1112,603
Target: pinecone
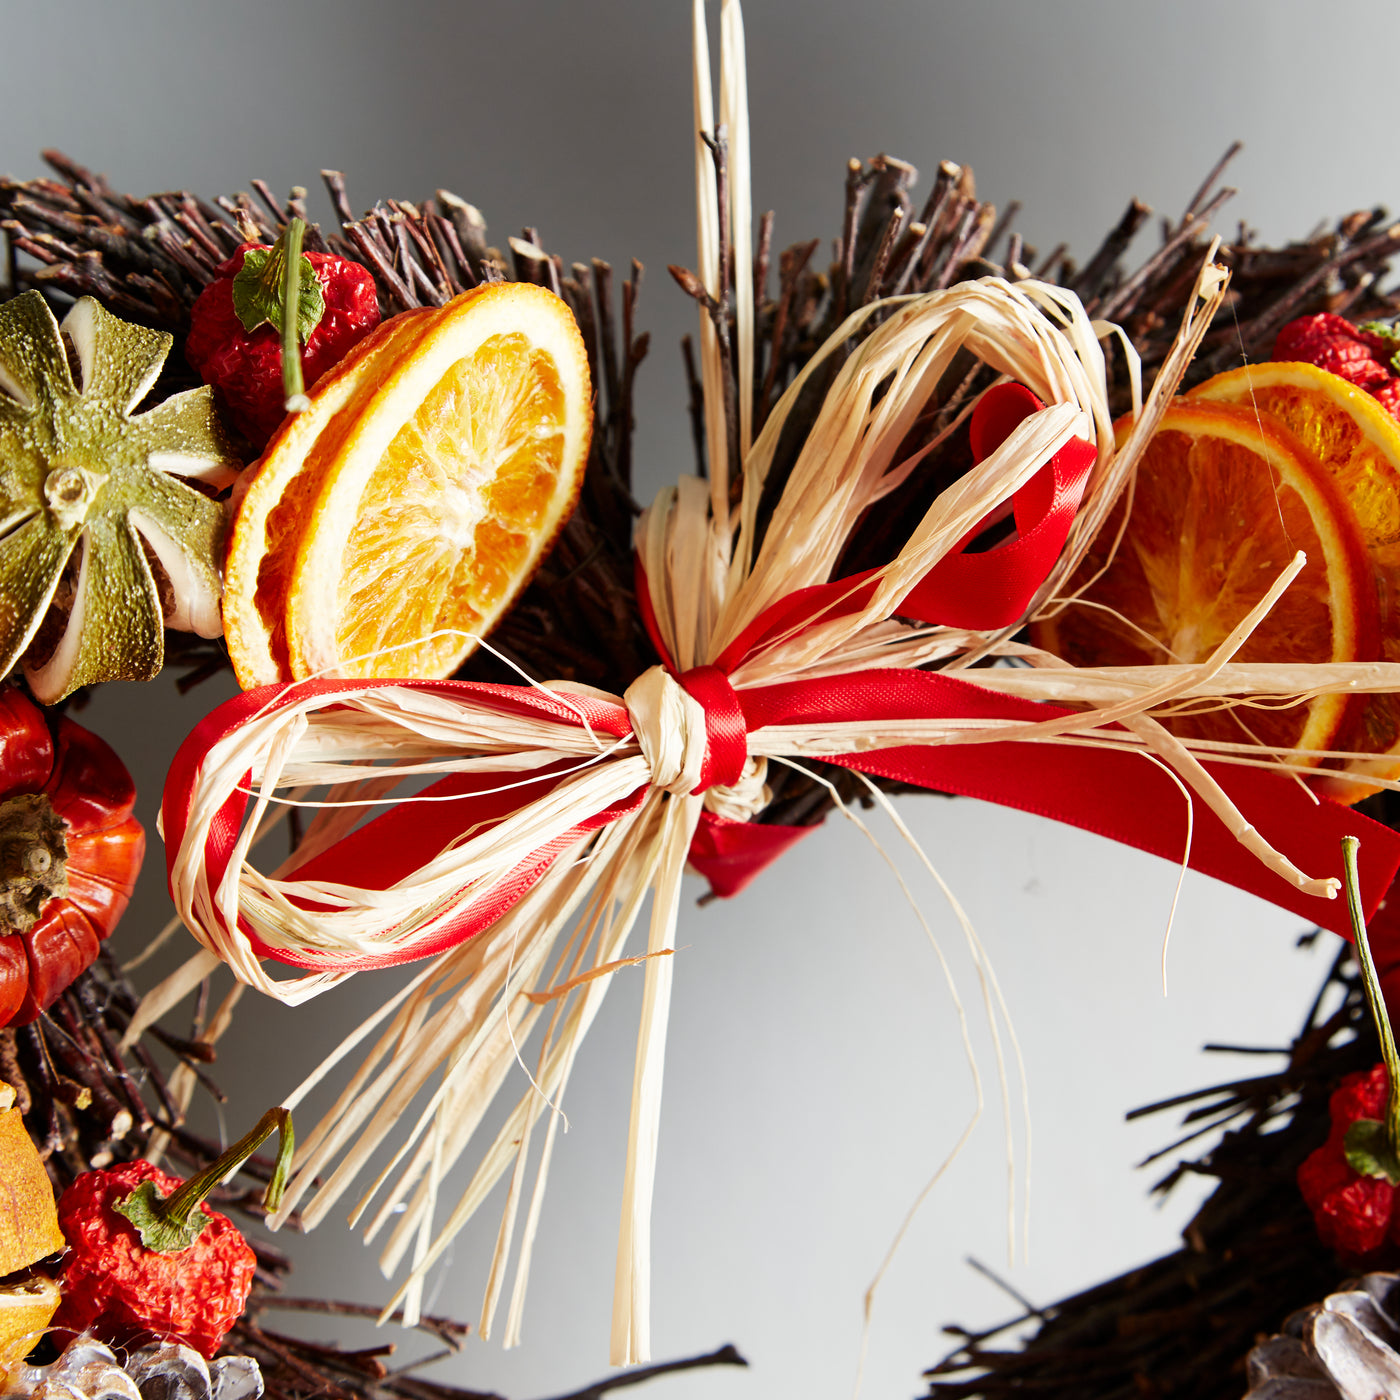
x,y
1347,1346
87,1370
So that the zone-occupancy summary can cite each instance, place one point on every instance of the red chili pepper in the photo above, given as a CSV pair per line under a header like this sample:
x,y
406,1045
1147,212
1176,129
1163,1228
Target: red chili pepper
x,y
147,1255
1362,355
235,339
70,852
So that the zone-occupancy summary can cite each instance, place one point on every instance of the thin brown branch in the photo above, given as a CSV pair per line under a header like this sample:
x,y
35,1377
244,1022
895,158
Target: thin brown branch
x,y
727,1355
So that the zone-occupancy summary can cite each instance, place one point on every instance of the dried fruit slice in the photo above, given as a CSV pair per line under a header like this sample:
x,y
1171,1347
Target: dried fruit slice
x,y
274,500
29,1219
28,1231
26,1309
81,471
446,491
1223,501
1358,443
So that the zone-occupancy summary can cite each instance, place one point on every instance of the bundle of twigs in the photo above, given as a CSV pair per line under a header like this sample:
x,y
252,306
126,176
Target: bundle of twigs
x,y
1182,1325
148,259
294,1369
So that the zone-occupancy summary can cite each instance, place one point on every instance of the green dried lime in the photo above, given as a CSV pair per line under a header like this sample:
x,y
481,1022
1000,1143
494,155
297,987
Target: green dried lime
x,y
79,471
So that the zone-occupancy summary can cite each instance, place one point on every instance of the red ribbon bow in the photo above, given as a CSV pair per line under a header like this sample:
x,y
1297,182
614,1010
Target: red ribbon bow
x,y
1116,793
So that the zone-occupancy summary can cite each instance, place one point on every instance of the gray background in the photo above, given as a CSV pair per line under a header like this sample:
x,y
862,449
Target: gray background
x,y
814,1077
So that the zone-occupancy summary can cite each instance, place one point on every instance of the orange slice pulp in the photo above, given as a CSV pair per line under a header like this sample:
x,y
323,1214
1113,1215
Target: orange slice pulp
x,y
1358,444
415,496
1223,500
449,485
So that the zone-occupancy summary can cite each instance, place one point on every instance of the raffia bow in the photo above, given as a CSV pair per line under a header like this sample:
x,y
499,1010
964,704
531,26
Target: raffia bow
x,y
553,810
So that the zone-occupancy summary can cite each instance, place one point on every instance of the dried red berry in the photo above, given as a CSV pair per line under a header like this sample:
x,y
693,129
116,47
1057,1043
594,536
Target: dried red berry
x,y
1359,356
1388,396
1354,1213
245,366
1360,1095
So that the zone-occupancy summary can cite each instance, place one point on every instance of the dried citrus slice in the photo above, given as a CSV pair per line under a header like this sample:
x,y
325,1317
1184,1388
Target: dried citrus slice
x,y
104,540
1223,501
1358,443
274,496
29,1221
438,505
26,1308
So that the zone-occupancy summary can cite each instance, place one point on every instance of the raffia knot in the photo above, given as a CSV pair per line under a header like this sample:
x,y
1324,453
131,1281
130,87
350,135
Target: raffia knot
x,y
691,731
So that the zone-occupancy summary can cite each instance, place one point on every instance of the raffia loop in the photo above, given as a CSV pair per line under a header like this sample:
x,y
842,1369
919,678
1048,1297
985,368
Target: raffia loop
x,y
1030,331
669,724
744,800
304,743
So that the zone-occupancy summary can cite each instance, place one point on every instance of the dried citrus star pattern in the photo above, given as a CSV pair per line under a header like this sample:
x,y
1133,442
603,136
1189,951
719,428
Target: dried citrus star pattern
x,y
97,531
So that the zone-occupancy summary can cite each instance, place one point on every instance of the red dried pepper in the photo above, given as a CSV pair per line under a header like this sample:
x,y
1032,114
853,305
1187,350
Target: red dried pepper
x,y
236,326
70,852
147,1256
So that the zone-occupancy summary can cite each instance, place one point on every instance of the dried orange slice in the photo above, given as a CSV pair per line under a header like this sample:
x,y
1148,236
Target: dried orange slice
x,y
274,496
27,1307
1358,443
449,485
1223,501
29,1219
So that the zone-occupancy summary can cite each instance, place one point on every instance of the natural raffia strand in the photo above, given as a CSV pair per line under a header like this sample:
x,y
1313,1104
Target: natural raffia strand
x,y
88,1098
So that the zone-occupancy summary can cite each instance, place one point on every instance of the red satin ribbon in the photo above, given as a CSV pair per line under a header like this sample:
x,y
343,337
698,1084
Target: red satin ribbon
x,y
985,591
978,591
394,844
1117,793
726,735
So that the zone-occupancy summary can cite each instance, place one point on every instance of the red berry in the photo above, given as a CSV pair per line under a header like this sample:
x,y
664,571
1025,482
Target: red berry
x,y
1324,1171
1355,1218
1332,343
1360,1095
1354,1214
1388,396
245,367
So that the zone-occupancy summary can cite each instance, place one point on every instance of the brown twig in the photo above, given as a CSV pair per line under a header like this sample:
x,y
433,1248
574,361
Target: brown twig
x,y
447,1331
727,1355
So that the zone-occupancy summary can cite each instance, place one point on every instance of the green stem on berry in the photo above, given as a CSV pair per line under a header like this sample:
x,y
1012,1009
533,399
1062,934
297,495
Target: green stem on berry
x,y
293,385
1371,981
1389,333
171,1223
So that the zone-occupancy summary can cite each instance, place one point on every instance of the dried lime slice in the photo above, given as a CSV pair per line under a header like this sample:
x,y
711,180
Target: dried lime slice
x,y
90,498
